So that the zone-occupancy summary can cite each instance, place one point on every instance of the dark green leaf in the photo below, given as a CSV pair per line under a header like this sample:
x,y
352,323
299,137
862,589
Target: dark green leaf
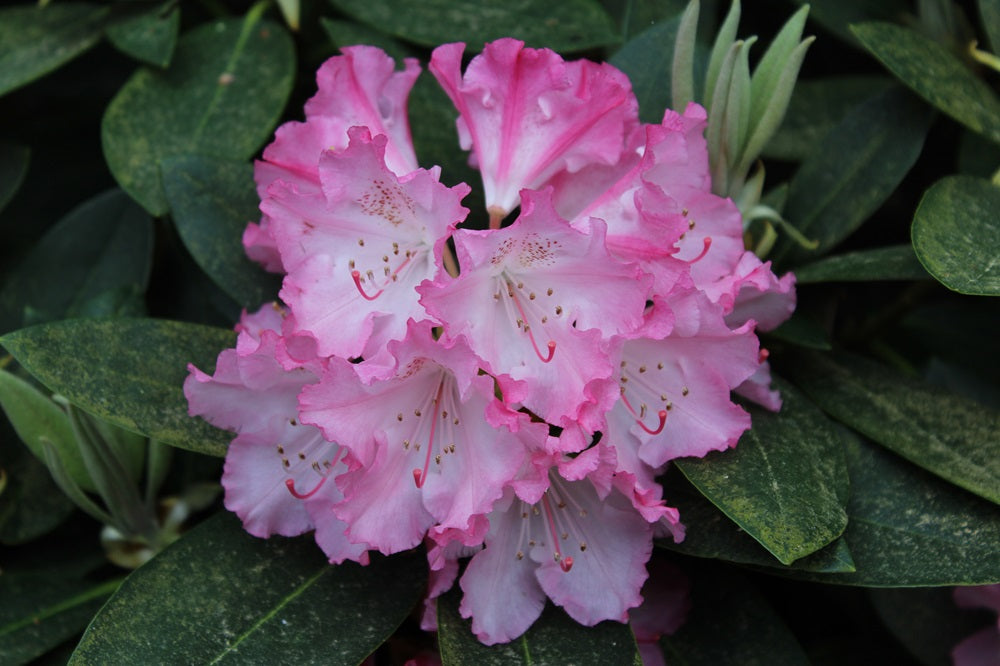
x,y
636,16
348,33
224,91
935,74
31,504
801,330
989,11
13,165
128,372
100,250
853,170
149,37
35,40
947,435
907,528
977,157
219,595
956,234
896,262
837,15
646,60
570,25
731,624
211,201
816,107
553,640
785,483
42,609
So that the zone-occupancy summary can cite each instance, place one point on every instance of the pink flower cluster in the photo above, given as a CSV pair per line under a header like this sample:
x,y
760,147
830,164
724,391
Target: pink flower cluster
x,y
514,399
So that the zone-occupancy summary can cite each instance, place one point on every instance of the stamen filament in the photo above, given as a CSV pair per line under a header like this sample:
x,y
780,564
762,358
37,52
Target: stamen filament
x,y
420,476
704,251
356,276
565,563
290,484
662,414
527,329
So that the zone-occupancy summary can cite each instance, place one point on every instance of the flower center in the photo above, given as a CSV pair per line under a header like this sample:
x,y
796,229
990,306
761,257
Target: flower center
x,y
314,455
379,274
559,514
524,309
435,422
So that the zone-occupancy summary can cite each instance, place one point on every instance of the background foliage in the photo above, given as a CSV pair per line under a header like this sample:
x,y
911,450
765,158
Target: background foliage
x,y
126,134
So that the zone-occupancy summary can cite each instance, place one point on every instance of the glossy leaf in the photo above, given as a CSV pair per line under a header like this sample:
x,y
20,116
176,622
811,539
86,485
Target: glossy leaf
x,y
785,483
128,372
221,596
731,624
34,40
854,170
224,91
956,234
647,60
570,25
896,262
150,36
14,161
554,639
211,201
950,436
101,250
935,74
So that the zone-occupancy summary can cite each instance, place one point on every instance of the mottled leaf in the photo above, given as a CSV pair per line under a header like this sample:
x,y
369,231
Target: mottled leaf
x,y
956,234
128,372
150,36
896,262
221,596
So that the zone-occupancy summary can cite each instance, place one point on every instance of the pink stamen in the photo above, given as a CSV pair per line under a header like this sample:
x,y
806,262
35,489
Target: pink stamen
x,y
662,414
290,484
704,251
527,329
564,563
420,476
357,283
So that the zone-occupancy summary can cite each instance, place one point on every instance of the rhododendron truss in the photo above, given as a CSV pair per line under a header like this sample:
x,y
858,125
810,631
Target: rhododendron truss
x,y
508,394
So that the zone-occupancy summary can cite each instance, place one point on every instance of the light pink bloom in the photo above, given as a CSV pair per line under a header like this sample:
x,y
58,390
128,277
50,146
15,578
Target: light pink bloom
x,y
526,114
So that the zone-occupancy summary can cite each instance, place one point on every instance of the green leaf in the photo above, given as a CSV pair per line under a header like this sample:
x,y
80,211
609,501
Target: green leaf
x,y
816,107
348,33
854,170
635,16
956,234
647,60
35,40
989,11
224,91
103,247
31,505
896,262
36,419
908,528
150,36
219,595
801,330
570,25
211,201
14,161
731,624
837,15
43,609
935,74
950,436
553,640
785,483
128,372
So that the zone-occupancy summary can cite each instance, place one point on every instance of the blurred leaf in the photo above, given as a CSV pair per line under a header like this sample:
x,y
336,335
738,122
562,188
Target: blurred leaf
x,y
35,40
149,37
211,201
956,234
989,11
349,33
553,640
43,609
935,74
731,624
219,595
785,483
569,25
947,435
801,330
14,161
837,15
636,16
896,262
977,157
817,106
31,505
224,91
36,419
647,60
854,170
129,372
104,245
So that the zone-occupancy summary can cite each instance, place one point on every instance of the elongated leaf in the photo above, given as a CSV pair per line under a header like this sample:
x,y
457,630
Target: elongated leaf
x,y
947,435
149,37
224,91
635,16
956,234
35,40
837,15
128,372
935,74
554,639
570,25
104,246
897,262
647,61
36,419
785,483
221,596
13,165
854,170
907,528
211,201
731,624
